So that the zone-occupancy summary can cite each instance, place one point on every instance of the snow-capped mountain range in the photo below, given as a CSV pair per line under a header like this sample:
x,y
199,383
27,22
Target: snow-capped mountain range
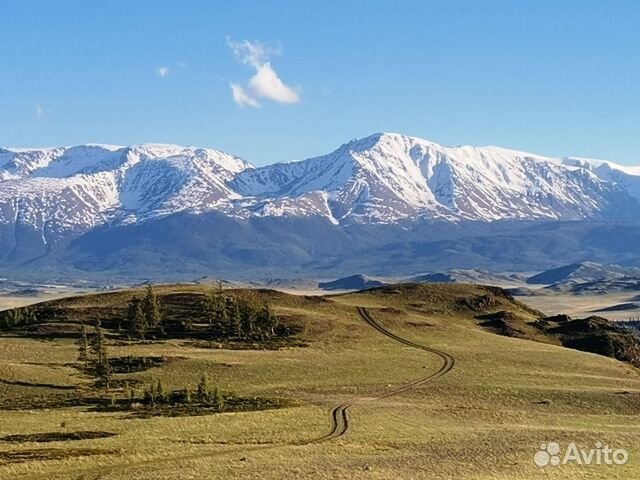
x,y
384,178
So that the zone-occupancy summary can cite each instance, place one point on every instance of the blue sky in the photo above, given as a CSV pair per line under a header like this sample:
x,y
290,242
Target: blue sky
x,y
552,77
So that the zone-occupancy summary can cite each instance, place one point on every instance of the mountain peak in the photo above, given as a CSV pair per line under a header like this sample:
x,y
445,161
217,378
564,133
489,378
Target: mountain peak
x,y
385,177
385,138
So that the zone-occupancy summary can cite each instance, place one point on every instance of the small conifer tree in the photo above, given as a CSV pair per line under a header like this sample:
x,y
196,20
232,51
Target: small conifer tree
x,y
137,321
98,348
205,392
83,347
218,399
162,393
151,309
187,396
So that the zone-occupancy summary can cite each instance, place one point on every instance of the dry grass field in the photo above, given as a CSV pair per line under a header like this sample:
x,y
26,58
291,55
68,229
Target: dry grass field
x,y
484,419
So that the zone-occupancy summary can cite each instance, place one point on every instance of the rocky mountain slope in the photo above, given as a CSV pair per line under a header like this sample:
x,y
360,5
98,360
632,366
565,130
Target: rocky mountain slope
x,y
386,189
380,179
387,177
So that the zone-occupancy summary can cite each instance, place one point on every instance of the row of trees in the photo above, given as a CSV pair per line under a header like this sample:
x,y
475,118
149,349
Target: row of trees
x,y
243,318
17,317
205,394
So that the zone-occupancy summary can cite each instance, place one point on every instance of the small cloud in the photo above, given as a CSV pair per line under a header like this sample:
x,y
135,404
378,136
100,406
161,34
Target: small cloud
x,y
241,97
182,64
163,71
265,83
252,53
39,112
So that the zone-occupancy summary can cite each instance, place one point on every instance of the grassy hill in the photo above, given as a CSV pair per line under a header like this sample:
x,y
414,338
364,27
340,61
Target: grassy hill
x,y
483,419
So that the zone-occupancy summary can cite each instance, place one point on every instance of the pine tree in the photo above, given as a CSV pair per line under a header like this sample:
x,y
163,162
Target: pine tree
x,y
137,321
187,395
222,326
187,323
268,320
150,395
218,399
11,318
235,318
129,394
83,347
215,312
204,391
208,307
29,316
97,346
162,393
151,309
6,319
248,317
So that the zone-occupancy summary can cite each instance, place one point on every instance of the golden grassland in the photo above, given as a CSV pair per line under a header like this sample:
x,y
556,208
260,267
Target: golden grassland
x,y
483,420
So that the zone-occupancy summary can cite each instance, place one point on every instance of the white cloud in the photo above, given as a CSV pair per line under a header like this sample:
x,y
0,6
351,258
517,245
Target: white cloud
x,y
265,83
252,53
163,71
241,97
39,112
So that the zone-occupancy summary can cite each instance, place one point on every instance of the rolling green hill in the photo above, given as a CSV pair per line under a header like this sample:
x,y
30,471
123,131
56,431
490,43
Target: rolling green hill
x,y
400,381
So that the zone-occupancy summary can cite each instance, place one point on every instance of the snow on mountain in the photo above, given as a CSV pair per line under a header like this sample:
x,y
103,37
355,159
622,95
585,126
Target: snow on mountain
x,y
71,190
388,177
57,207
160,180
383,178
626,177
363,179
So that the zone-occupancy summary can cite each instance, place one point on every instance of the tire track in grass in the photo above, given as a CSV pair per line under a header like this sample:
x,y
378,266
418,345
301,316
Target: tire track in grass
x,y
339,417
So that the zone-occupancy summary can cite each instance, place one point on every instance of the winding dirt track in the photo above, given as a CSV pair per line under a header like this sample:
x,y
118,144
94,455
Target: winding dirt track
x,y
339,419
